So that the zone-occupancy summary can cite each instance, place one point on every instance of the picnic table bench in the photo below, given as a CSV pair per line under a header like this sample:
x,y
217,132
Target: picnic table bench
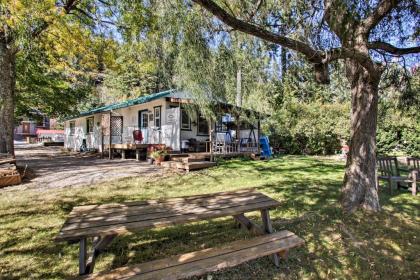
x,y
104,222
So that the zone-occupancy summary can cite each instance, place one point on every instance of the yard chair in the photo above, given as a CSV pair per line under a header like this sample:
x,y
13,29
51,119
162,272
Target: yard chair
x,y
388,170
413,164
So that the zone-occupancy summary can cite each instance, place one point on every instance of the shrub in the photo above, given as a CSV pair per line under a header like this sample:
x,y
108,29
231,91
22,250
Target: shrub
x,y
310,128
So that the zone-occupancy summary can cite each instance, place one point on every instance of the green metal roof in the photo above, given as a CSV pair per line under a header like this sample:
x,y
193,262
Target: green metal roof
x,y
131,102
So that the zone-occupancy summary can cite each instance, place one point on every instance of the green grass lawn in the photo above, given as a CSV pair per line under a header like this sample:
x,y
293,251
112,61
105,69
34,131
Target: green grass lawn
x,y
361,246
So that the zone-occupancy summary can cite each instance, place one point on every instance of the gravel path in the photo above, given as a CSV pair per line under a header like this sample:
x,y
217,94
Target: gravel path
x,y
49,167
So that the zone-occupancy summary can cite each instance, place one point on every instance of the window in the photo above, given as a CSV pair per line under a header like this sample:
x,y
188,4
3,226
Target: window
x,y
185,120
220,125
89,125
202,125
143,119
157,116
72,127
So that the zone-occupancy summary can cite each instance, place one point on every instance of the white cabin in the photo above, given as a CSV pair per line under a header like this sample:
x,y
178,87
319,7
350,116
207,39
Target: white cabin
x,y
162,119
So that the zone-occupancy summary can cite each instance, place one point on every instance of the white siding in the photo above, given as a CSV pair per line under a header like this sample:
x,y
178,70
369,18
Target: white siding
x,y
130,123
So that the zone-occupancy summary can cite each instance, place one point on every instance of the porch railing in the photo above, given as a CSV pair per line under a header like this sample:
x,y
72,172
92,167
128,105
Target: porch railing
x,y
234,147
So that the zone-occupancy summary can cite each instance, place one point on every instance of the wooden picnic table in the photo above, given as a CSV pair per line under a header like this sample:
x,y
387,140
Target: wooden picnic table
x,y
104,222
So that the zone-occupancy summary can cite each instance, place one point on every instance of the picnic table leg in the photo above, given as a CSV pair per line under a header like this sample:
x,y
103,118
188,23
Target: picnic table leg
x,y
82,256
244,222
86,265
413,184
122,154
137,154
268,228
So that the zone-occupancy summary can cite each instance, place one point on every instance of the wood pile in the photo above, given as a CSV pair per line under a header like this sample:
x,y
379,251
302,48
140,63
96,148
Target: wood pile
x,y
8,172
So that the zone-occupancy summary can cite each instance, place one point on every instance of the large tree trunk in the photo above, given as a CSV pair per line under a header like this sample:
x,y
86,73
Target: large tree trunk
x,y
359,188
7,97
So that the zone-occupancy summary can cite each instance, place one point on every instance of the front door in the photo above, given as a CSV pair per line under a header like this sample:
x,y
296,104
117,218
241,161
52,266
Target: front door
x,y
144,125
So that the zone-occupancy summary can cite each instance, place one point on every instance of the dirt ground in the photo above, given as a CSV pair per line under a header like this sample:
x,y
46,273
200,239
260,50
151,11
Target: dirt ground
x,y
50,167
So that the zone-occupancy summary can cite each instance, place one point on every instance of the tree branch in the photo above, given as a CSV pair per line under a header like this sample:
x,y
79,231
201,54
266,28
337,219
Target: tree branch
x,y
70,5
311,54
383,8
378,45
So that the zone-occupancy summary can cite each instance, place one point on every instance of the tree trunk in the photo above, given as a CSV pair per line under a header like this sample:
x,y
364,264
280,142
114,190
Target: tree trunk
x,y
283,56
239,87
359,187
7,98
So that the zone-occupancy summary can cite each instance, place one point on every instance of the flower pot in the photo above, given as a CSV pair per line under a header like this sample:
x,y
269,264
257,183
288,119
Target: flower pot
x,y
150,160
159,160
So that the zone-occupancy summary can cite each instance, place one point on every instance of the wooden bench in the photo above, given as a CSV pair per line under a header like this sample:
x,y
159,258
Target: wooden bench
x,y
207,260
104,222
388,169
413,164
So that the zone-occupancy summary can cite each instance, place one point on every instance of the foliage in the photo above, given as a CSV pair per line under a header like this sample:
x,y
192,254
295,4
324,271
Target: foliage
x,y
158,153
310,128
133,75
398,119
398,132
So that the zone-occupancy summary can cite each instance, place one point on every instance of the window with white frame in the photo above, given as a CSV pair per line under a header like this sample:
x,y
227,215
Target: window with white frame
x,y
89,124
72,126
185,120
157,116
202,125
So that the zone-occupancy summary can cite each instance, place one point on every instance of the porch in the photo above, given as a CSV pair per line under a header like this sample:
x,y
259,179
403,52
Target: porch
x,y
231,132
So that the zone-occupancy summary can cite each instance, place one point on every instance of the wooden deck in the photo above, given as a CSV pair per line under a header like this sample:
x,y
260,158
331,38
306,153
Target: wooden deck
x,y
127,146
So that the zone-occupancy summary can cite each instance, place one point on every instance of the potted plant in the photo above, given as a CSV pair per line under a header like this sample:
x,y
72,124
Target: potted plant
x,y
158,156
150,160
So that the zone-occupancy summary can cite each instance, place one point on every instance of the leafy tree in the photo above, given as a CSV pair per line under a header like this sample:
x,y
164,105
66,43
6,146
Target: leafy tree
x,y
22,22
327,31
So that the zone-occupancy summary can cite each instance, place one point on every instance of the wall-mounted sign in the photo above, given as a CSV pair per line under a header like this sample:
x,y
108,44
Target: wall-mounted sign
x,y
170,118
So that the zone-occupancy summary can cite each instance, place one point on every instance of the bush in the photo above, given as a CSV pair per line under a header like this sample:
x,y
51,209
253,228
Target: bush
x,y
398,132
310,128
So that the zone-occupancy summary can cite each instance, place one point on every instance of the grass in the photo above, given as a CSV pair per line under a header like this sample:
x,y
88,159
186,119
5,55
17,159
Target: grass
x,y
360,246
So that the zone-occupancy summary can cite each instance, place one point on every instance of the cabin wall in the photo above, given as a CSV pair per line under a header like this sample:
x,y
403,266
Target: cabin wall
x,y
167,134
170,132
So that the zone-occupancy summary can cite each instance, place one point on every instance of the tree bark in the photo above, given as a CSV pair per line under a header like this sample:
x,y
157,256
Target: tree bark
x,y
283,56
239,87
359,187
7,97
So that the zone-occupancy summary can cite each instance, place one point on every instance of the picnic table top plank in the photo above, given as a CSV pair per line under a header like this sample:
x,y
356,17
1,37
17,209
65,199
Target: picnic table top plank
x,y
153,213
120,218
84,208
152,206
160,207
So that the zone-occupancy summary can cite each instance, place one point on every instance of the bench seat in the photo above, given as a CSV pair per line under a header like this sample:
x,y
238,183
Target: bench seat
x,y
207,260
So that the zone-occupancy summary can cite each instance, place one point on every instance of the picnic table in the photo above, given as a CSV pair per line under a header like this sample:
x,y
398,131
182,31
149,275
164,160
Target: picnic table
x,y
105,222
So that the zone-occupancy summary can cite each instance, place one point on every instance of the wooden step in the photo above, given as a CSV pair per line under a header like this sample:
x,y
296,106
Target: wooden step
x,y
175,156
195,165
207,260
191,159
169,164
199,156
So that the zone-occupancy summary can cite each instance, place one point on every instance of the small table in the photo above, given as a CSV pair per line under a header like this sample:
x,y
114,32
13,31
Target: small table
x,y
104,222
127,146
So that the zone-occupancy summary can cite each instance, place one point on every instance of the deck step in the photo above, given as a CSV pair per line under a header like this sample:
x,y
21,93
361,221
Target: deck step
x,y
195,165
169,164
175,156
199,156
207,260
